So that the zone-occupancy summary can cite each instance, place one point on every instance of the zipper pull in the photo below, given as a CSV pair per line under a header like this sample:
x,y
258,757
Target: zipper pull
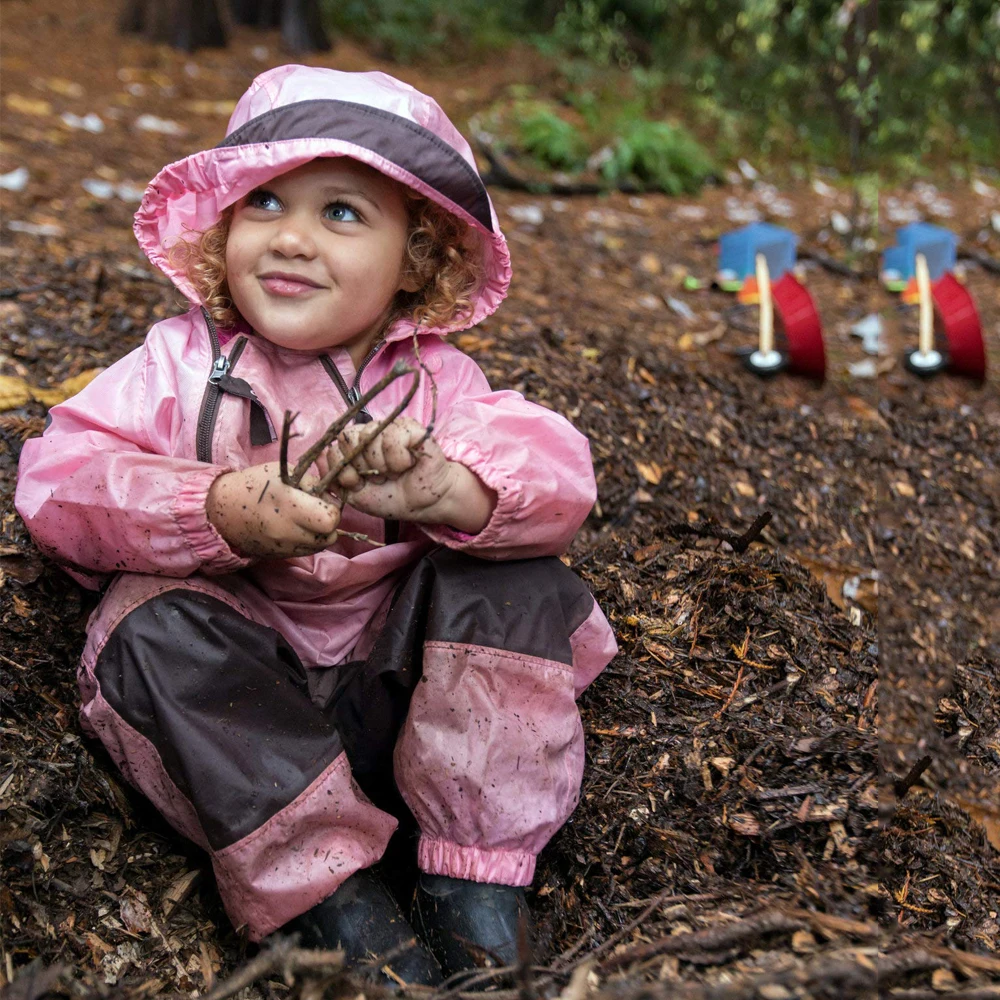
x,y
353,395
219,368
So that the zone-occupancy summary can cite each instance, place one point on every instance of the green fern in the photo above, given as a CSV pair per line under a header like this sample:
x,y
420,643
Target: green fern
x,y
658,155
548,138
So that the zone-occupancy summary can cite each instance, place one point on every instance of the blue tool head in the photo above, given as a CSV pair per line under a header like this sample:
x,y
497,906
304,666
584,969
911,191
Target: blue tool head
x,y
738,250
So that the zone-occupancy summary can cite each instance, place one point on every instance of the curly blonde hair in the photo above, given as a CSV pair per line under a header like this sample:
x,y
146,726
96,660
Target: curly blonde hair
x,y
443,258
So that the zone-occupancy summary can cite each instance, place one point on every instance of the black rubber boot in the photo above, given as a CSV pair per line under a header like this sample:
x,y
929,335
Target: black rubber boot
x,y
363,919
470,925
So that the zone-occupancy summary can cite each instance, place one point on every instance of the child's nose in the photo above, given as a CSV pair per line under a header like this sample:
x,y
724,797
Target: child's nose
x,y
293,238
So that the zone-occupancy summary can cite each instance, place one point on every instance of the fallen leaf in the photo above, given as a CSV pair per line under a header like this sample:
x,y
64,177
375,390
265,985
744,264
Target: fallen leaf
x,y
650,471
28,105
135,912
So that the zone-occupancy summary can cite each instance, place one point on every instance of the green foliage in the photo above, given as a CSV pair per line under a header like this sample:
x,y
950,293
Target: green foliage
x,y
847,82
548,138
430,30
658,155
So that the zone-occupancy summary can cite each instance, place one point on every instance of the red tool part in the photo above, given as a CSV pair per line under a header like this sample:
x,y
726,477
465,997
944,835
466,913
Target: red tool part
x,y
802,326
962,328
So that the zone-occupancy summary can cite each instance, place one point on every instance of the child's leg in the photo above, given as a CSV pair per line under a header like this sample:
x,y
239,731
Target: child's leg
x,y
207,712
490,758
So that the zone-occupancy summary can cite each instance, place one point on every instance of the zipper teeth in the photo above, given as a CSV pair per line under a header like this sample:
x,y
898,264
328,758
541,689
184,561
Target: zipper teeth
x,y
364,364
206,419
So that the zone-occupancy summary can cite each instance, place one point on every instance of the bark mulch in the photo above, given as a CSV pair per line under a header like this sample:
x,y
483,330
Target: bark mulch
x,y
756,821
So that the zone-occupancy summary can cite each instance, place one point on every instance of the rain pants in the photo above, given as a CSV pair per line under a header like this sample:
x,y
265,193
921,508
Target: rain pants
x,y
274,710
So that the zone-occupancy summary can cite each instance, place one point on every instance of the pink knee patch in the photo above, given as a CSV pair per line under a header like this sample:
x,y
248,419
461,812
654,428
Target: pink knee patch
x,y
490,758
302,854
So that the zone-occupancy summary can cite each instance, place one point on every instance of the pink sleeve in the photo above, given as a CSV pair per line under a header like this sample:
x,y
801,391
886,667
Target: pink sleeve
x,y
101,490
534,459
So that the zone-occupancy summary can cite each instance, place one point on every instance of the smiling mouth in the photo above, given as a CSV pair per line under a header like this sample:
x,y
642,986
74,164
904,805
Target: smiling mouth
x,y
288,285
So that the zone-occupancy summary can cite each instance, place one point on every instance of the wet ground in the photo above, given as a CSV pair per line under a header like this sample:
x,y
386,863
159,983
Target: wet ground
x,y
793,763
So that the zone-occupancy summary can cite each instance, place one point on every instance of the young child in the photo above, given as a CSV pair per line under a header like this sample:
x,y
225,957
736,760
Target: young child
x,y
280,689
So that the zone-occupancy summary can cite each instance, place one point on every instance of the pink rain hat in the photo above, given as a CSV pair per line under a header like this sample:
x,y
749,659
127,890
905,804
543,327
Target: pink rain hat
x,y
293,114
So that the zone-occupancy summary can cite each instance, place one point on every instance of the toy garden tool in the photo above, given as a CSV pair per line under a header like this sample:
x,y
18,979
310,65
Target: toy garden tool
x,y
805,352
926,359
962,329
959,321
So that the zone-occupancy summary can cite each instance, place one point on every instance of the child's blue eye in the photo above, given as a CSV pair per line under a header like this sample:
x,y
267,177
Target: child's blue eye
x,y
263,199
341,212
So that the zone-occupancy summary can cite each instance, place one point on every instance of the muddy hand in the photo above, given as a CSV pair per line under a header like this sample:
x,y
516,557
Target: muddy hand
x,y
259,516
396,474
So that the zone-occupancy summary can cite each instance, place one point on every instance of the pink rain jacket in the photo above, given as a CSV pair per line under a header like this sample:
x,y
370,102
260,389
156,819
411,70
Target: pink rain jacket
x,y
118,482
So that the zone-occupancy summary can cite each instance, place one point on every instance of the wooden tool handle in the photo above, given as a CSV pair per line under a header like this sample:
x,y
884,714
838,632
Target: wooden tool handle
x,y
926,342
766,305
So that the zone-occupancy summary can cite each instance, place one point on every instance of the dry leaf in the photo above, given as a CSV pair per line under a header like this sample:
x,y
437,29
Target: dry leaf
x,y
28,105
650,471
135,912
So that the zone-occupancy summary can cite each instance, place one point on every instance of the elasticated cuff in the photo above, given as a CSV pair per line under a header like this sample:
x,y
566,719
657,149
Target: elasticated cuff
x,y
477,864
508,501
200,534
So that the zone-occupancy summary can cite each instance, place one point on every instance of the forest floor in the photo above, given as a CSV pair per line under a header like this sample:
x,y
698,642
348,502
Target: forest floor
x,y
751,823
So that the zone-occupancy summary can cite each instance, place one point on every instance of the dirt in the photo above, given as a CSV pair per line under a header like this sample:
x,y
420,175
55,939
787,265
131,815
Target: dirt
x,y
804,783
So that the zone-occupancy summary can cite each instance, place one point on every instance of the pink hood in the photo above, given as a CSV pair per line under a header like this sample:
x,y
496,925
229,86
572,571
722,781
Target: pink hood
x,y
293,114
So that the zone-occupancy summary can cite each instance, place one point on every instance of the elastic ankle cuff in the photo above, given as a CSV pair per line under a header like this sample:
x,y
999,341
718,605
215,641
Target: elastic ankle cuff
x,y
477,864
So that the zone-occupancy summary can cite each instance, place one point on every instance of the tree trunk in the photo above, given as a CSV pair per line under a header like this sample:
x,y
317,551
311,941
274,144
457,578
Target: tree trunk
x,y
183,24
302,26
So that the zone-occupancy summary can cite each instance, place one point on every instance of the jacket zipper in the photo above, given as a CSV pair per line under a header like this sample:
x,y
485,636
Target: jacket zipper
x,y
221,365
353,394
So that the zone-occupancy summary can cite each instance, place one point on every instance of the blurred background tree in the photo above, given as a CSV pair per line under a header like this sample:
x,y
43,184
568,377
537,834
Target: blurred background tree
x,y
905,86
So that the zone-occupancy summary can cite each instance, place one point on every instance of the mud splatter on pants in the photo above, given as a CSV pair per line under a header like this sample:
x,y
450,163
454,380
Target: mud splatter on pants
x,y
466,705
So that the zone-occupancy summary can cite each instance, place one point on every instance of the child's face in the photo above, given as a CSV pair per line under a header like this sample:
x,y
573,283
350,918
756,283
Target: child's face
x,y
314,257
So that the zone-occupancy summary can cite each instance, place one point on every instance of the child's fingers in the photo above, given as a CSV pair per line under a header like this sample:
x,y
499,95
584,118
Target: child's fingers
x,y
352,441
396,453
313,515
348,478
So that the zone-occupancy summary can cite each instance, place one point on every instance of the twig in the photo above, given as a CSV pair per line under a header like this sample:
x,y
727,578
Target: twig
x,y
739,543
434,393
708,940
284,956
286,434
333,431
732,694
902,785
828,262
325,482
260,499
986,262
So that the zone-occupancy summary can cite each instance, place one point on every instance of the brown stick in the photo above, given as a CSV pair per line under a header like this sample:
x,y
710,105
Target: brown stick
x,y
739,543
324,484
333,431
434,394
902,785
286,433
708,940
282,955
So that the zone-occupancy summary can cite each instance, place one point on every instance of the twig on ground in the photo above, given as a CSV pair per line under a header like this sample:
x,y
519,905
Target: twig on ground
x,y
829,263
902,785
709,940
283,956
739,543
